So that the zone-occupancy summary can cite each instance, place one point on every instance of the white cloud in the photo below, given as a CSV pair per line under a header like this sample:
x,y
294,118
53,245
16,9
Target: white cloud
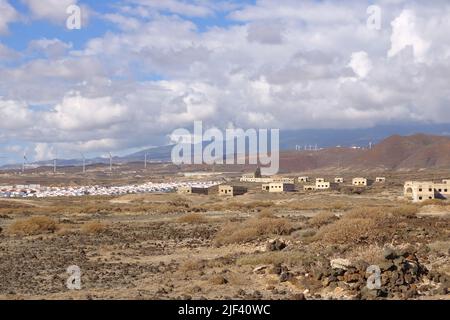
x,y
7,15
405,34
55,11
286,65
44,151
361,63
77,113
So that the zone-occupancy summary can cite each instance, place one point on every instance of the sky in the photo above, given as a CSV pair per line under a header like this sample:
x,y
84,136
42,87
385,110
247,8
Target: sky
x,y
136,70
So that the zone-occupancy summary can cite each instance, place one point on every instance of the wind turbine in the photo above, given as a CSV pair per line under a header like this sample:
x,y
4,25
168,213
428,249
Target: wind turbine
x,y
24,161
84,162
54,163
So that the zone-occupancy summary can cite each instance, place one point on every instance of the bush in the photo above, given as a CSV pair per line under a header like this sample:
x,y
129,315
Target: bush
x,y
322,218
407,211
266,213
252,229
94,227
33,226
345,230
192,218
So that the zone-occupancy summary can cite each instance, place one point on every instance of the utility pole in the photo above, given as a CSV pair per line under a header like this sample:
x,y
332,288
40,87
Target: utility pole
x,y
145,161
84,163
110,162
54,166
23,162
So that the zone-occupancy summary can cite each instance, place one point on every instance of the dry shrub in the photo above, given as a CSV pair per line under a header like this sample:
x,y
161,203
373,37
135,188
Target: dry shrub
x,y
365,224
346,230
252,229
33,226
440,247
192,218
95,227
266,213
434,202
371,254
218,280
192,265
407,211
239,206
366,213
322,219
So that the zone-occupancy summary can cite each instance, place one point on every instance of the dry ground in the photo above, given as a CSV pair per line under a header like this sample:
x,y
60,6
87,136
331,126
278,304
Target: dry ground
x,y
166,246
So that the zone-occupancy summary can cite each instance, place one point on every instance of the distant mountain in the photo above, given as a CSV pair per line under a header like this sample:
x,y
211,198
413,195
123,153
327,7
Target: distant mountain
x,y
394,153
322,138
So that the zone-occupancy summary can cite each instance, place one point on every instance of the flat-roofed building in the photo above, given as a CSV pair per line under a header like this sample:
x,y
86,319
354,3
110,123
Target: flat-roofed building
x,y
284,180
192,190
280,187
442,190
303,179
227,190
360,182
323,185
419,191
338,180
380,180
320,180
309,188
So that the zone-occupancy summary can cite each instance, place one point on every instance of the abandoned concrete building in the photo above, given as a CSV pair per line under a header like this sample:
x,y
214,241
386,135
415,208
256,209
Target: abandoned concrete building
x,y
303,179
279,187
193,190
227,190
380,180
309,188
420,191
339,180
360,182
323,185
284,180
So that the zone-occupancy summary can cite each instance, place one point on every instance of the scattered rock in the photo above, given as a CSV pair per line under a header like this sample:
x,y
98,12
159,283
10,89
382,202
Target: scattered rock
x,y
276,245
298,297
286,276
260,269
342,264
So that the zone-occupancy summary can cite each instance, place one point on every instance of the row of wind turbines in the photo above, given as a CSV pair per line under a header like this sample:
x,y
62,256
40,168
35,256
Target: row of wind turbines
x,y
55,160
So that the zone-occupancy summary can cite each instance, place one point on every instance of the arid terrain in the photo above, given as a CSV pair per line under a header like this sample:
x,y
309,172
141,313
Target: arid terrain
x,y
298,245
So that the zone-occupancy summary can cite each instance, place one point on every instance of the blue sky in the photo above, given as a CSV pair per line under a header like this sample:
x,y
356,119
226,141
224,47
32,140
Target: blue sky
x,y
139,69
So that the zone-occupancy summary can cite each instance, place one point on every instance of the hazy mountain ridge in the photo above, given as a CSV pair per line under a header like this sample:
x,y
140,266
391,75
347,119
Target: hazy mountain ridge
x,y
394,153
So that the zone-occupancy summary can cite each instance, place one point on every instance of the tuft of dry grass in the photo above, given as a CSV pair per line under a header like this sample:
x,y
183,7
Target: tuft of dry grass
x,y
192,265
266,213
94,227
346,230
192,218
218,280
322,219
434,202
251,229
33,226
407,211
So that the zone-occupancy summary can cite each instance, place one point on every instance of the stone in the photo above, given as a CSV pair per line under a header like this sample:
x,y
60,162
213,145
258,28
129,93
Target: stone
x,y
260,269
389,253
387,266
343,264
276,245
286,276
298,297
